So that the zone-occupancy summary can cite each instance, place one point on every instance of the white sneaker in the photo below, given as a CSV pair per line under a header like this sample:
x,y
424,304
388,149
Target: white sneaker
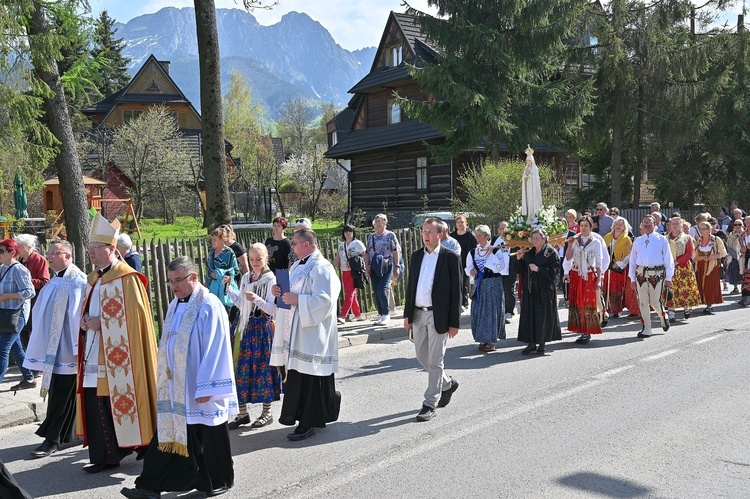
x,y
379,321
341,320
386,318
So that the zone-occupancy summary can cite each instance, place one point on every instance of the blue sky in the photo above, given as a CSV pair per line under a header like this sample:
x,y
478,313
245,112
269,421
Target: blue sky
x,y
354,24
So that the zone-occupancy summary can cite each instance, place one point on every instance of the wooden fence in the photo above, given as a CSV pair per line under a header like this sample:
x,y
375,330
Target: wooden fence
x,y
157,254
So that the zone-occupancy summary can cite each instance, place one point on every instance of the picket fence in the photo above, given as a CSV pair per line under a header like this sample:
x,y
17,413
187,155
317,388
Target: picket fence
x,y
156,254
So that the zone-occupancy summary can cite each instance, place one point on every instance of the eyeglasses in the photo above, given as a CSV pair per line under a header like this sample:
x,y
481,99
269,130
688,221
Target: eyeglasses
x,y
176,282
738,225
428,233
600,209
97,247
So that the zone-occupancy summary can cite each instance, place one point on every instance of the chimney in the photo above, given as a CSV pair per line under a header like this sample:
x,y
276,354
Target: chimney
x,y
165,66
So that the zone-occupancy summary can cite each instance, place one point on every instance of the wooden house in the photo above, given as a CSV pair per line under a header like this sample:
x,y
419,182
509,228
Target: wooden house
x,y
152,85
391,167
52,197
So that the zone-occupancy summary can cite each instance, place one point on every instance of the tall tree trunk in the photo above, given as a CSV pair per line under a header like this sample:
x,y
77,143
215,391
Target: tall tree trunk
x,y
640,159
67,163
212,144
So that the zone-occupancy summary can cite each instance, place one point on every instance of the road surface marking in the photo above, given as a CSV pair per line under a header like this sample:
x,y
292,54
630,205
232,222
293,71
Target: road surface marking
x,y
612,372
706,340
660,355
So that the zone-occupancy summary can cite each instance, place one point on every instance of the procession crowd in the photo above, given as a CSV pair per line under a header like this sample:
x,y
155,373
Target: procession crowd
x,y
265,322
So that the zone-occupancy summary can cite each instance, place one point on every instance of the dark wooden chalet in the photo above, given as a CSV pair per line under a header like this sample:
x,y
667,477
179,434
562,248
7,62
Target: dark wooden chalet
x,y
391,168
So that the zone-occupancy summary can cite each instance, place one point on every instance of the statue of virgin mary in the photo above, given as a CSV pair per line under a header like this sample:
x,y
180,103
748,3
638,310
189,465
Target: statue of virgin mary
x,y
531,189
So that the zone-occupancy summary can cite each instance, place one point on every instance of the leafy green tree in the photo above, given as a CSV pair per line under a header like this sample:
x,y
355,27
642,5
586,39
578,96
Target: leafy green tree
x,y
657,81
493,190
502,76
295,125
114,75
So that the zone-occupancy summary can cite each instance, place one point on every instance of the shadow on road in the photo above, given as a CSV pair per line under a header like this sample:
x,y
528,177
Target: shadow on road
x,y
606,486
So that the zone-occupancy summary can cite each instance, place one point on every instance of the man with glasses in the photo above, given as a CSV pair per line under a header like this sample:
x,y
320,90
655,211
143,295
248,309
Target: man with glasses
x,y
196,394
432,312
604,221
53,345
306,342
116,397
651,270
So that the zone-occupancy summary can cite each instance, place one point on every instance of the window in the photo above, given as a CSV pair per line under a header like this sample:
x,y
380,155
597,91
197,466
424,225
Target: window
x,y
396,56
130,115
394,113
421,173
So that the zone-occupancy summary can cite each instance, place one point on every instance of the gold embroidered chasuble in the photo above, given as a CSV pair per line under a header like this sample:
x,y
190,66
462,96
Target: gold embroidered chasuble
x,y
127,356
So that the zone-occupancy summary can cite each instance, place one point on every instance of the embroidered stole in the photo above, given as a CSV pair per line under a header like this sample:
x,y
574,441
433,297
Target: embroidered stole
x,y
56,327
171,407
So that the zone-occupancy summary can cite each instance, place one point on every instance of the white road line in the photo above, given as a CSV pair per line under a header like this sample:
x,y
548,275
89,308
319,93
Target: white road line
x,y
612,372
660,355
706,340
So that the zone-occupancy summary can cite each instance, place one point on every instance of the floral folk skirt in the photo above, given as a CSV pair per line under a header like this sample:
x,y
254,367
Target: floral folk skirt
x,y
257,381
684,288
583,314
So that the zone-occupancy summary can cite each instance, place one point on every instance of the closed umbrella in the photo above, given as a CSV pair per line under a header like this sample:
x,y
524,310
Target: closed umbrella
x,y
19,196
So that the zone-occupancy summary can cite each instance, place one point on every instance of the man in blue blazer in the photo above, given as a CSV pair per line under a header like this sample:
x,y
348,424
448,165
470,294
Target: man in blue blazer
x,y
433,308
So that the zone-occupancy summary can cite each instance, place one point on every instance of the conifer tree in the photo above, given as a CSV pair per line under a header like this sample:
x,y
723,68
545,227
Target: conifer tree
x,y
114,74
503,75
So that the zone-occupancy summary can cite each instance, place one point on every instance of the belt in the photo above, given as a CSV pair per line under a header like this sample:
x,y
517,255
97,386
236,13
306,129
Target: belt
x,y
423,309
658,267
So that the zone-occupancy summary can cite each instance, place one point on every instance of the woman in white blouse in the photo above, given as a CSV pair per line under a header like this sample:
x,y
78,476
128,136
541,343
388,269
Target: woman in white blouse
x,y
584,256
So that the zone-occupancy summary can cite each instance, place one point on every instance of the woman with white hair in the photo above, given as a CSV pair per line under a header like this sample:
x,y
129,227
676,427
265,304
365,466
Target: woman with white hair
x,y
484,264
39,270
383,259
128,252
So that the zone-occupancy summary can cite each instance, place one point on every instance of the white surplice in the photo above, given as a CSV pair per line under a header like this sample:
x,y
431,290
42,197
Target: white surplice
x,y
209,371
306,338
43,327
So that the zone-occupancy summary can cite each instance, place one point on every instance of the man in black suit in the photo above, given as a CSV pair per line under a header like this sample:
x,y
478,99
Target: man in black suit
x,y
433,308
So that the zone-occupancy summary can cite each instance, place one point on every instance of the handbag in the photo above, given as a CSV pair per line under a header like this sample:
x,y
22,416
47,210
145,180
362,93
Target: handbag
x,y
9,317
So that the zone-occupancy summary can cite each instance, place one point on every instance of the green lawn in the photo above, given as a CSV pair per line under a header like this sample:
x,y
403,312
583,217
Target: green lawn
x,y
185,227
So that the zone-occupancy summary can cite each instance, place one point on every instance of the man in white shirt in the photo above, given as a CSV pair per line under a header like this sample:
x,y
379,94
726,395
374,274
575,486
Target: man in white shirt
x,y
651,270
432,309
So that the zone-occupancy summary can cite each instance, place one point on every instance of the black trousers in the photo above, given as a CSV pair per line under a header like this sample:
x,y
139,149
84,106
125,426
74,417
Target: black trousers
x,y
208,466
510,296
9,488
100,430
311,400
60,423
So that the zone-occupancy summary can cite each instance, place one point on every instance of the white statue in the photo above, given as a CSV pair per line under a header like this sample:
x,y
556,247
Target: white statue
x,y
531,189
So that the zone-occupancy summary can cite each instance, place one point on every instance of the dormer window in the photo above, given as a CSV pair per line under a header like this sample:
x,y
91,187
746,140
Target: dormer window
x,y
395,55
394,112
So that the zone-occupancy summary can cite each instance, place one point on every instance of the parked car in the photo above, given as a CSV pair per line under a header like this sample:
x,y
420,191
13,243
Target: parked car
x,y
445,216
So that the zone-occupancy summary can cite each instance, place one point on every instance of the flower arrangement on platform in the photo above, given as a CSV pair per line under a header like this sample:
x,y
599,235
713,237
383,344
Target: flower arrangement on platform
x,y
519,229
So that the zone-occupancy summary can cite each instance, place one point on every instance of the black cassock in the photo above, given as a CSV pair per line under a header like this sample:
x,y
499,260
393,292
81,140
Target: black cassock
x,y
539,321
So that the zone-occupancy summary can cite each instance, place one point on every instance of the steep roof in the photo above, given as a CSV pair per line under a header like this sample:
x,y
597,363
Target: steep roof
x,y
373,138
127,95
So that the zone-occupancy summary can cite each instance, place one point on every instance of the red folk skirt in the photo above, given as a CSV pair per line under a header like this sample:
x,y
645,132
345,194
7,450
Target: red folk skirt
x,y
619,293
709,286
583,315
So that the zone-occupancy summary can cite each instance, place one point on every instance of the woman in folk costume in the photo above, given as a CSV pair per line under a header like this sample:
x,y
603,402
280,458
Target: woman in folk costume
x,y
585,257
531,188
618,294
684,288
252,335
484,264
735,265
709,251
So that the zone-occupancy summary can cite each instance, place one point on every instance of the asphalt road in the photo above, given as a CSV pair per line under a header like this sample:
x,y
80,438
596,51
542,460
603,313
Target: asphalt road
x,y
620,417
